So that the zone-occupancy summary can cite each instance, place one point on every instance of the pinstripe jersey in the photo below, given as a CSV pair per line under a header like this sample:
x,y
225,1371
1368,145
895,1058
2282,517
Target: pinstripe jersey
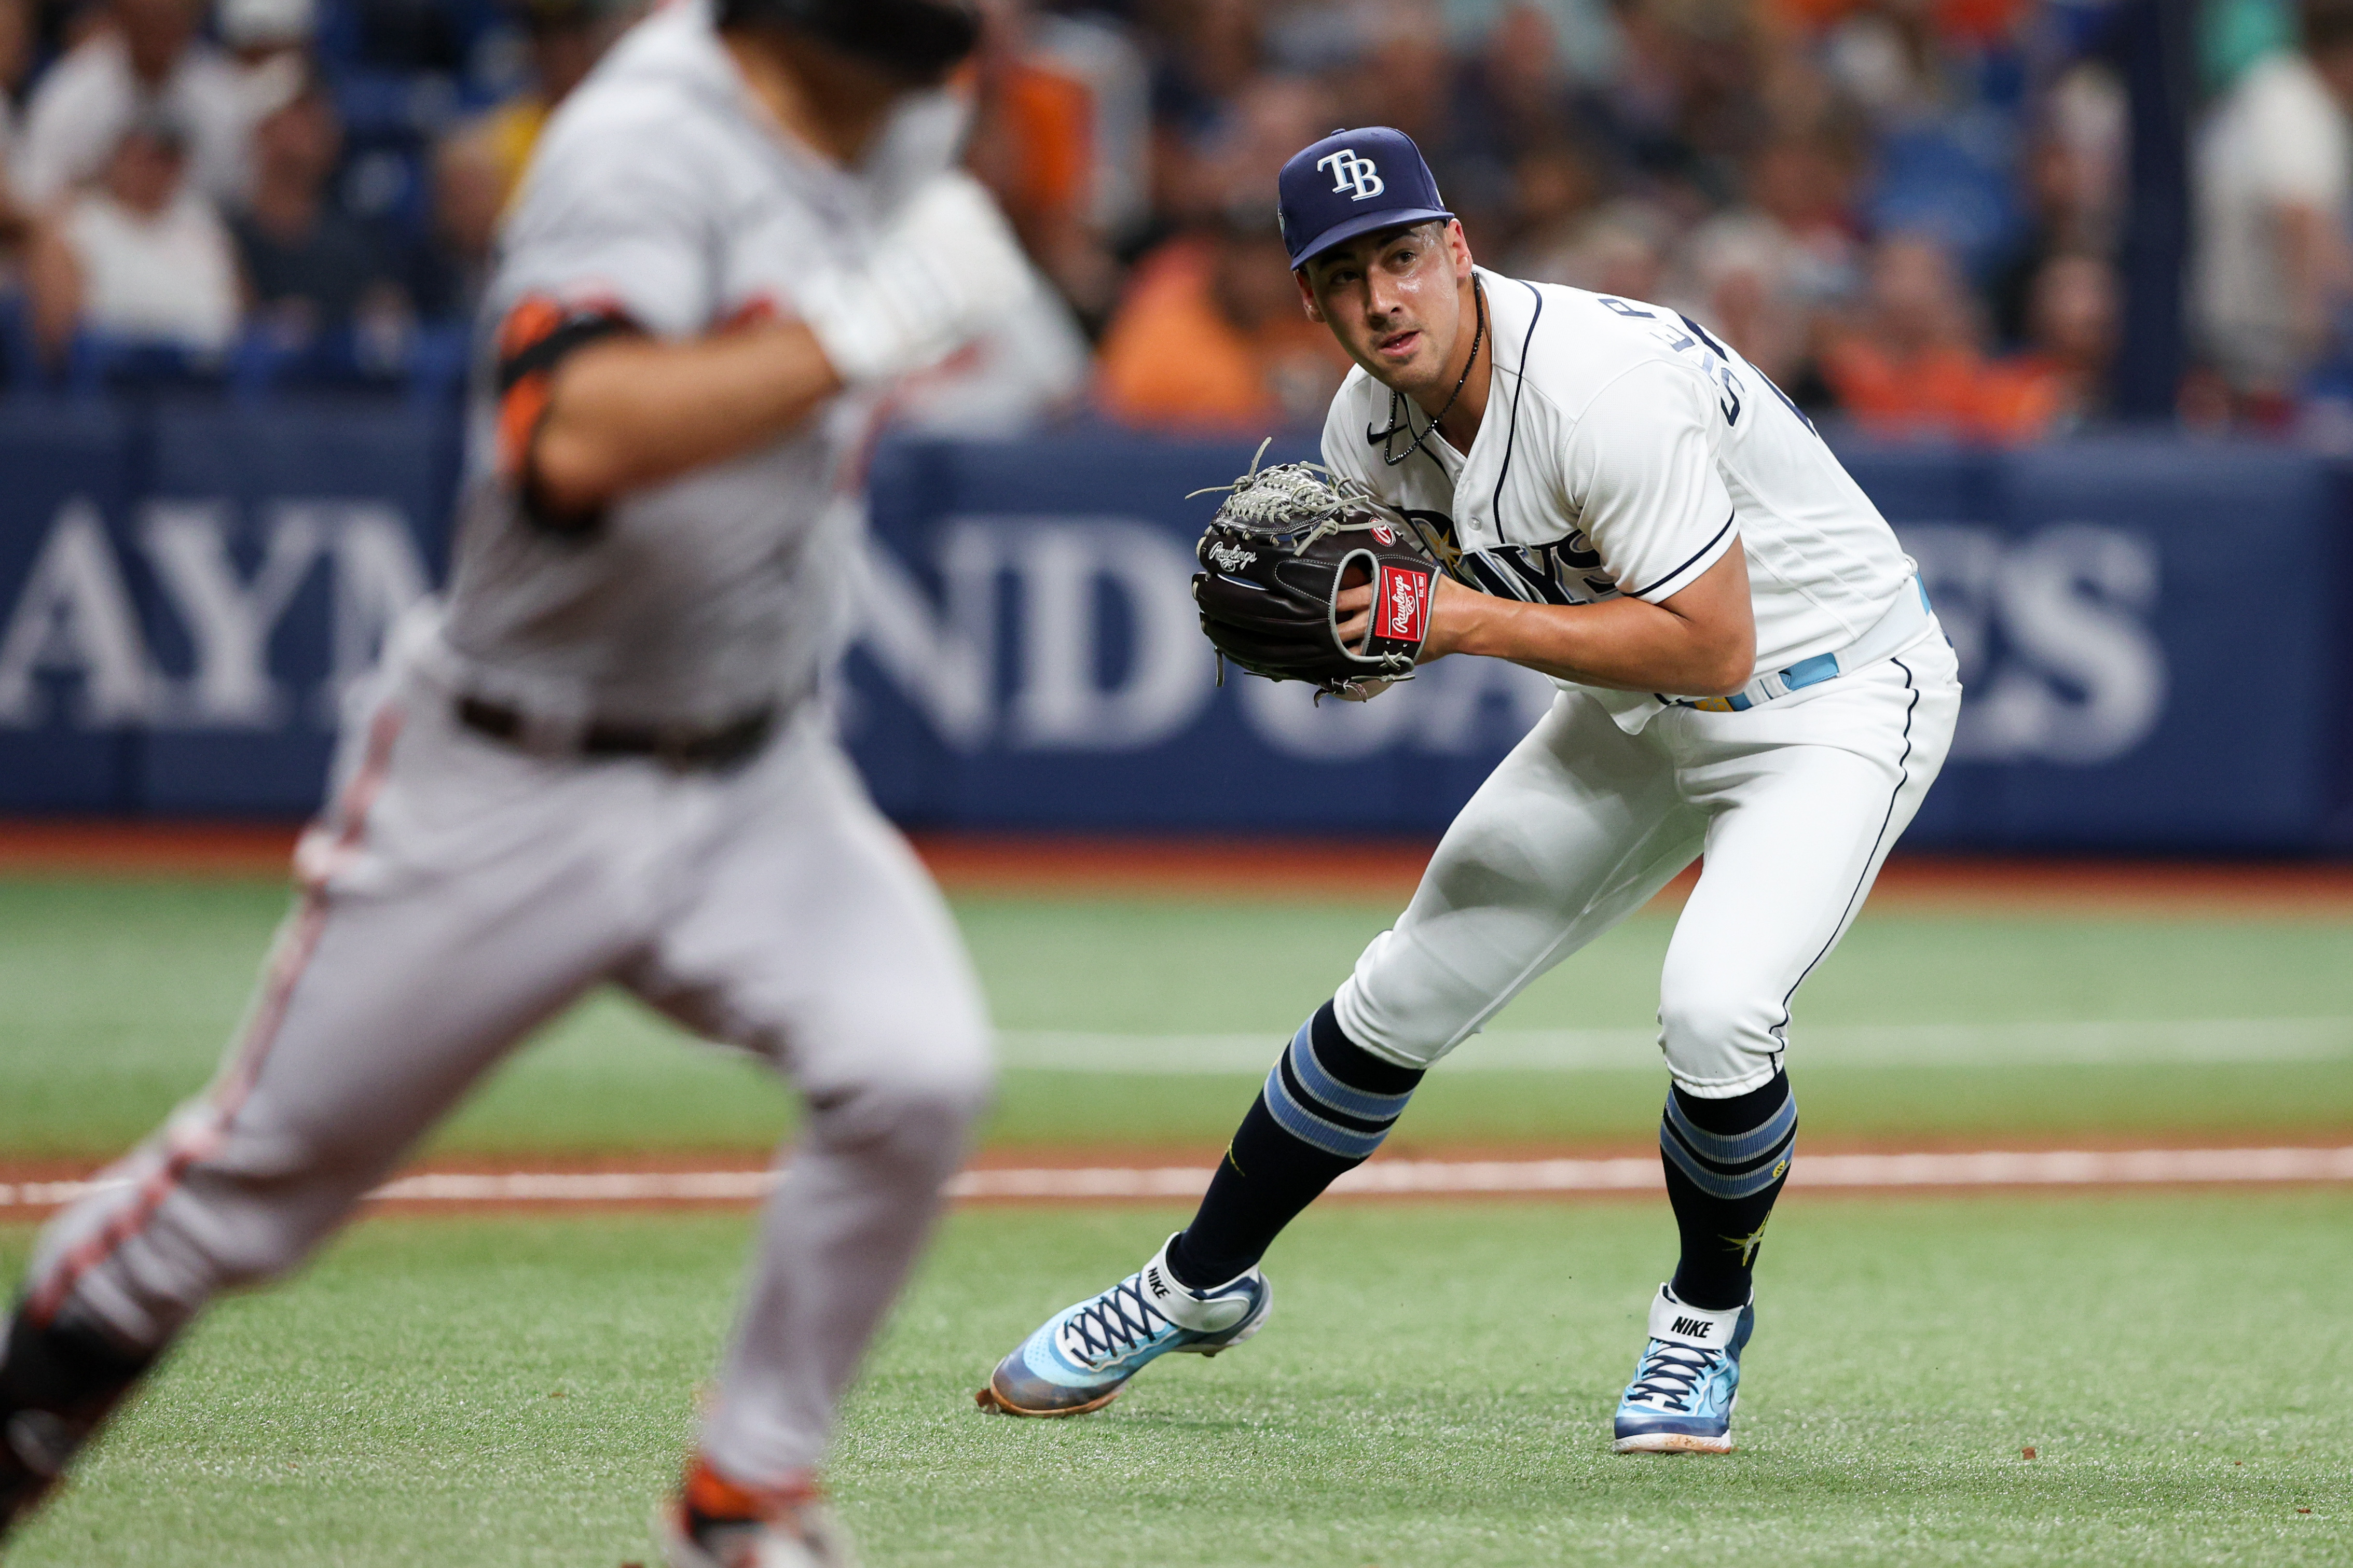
x,y
1623,450
663,197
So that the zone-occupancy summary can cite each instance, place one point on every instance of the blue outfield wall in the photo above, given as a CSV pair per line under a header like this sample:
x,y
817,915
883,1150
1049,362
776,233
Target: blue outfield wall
x,y
2153,634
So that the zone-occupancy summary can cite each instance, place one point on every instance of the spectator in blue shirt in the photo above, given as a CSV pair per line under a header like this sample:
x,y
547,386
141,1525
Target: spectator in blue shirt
x,y
318,277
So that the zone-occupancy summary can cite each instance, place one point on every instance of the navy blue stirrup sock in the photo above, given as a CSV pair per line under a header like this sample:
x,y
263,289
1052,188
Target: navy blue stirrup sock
x,y
1725,1162
1326,1108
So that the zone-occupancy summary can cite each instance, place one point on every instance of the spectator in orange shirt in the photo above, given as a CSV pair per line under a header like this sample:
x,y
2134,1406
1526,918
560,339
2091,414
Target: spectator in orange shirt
x,y
1033,143
2061,379
1912,364
1210,335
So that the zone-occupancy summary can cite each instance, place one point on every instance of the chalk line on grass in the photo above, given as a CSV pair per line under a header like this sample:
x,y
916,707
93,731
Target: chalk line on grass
x,y
1396,1178
1990,1168
2075,1044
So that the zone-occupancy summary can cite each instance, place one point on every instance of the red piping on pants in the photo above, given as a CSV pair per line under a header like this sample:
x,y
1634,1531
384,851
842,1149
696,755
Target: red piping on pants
x,y
236,1084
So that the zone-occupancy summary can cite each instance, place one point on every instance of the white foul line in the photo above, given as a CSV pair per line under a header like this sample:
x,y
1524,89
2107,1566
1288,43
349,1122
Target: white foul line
x,y
2067,1043
1393,1178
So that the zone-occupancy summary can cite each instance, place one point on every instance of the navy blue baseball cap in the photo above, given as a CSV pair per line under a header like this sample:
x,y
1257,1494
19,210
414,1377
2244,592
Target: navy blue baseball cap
x,y
1352,183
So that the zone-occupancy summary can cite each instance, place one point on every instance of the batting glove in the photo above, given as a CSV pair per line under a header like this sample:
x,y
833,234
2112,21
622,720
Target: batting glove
x,y
945,269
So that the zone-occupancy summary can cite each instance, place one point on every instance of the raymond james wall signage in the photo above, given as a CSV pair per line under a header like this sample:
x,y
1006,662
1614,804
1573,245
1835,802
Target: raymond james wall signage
x,y
2146,630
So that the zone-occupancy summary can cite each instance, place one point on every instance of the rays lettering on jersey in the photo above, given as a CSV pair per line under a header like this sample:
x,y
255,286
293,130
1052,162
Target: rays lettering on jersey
x,y
1566,571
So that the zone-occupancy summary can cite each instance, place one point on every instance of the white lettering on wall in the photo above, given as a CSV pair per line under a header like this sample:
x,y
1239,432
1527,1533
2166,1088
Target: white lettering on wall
x,y
228,617
2053,636
378,575
1064,574
74,617
945,662
1065,698
2053,633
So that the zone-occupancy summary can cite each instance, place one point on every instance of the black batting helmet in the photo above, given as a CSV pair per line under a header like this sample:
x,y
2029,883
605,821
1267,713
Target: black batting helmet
x,y
921,39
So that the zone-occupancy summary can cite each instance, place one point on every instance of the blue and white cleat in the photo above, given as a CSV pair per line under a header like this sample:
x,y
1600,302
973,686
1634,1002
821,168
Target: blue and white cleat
x,y
1082,1356
1683,1393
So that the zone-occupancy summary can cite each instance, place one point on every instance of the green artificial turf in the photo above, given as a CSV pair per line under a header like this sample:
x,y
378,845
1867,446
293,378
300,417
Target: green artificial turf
x,y
118,996
1432,1392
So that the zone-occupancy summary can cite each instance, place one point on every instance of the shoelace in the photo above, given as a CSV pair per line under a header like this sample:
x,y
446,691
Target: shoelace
x,y
1666,1378
1104,1327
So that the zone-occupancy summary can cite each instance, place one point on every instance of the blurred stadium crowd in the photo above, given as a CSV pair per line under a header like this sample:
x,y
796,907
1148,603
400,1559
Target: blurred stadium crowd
x,y
1907,212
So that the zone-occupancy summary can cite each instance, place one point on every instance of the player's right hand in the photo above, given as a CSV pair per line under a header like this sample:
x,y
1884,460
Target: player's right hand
x,y
945,269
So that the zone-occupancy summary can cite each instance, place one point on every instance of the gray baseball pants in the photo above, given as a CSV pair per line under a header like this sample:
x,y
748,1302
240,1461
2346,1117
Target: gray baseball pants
x,y
458,894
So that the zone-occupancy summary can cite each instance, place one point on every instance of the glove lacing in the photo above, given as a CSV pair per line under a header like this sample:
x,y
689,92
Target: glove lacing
x,y
1290,495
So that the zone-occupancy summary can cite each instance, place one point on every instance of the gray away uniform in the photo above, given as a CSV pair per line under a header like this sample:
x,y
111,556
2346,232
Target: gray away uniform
x,y
499,842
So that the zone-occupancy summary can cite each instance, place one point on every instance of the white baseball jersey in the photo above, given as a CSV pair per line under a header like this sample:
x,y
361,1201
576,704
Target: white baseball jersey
x,y
1623,450
661,195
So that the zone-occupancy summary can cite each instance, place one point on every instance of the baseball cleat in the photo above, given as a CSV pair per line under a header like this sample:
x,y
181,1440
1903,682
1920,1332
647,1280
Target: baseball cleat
x,y
57,1387
1689,1379
716,1523
1082,1356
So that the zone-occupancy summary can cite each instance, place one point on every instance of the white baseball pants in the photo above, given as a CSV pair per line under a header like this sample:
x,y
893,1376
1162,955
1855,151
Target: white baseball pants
x,y
1793,804
458,894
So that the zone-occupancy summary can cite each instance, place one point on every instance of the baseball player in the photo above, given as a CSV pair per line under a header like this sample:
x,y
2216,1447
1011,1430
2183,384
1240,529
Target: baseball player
x,y
602,757
1750,675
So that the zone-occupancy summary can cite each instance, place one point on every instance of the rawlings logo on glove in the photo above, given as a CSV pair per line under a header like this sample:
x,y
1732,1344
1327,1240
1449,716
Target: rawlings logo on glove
x,y
1401,609
1285,543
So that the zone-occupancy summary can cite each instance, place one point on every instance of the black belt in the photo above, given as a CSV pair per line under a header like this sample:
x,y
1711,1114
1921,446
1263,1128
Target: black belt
x,y
718,747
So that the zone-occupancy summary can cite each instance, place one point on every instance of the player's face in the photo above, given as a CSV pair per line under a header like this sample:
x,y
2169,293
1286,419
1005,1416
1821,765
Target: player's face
x,y
1394,299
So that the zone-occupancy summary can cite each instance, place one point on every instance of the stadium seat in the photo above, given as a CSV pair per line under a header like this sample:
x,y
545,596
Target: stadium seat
x,y
98,363
20,359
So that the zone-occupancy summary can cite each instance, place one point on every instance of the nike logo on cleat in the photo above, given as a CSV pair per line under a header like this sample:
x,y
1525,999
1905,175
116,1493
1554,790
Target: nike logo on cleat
x,y
1692,1326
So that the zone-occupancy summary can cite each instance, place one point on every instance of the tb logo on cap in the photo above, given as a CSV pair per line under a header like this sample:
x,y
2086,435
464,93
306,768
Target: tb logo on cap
x,y
1350,171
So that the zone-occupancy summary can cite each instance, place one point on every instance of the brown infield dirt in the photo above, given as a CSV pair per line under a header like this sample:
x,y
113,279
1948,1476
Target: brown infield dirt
x,y
1378,870
1143,1156
1202,1158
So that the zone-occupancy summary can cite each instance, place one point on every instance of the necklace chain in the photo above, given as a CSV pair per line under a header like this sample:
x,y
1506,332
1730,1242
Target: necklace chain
x,y
1478,335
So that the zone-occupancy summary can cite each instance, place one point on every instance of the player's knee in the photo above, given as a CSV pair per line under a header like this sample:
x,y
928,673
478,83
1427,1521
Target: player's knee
x,y
1400,1010
948,1092
917,1096
1715,1035
1700,1018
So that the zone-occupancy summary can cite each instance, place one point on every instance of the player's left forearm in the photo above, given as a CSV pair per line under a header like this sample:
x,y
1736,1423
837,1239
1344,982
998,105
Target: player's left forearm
x,y
1700,643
